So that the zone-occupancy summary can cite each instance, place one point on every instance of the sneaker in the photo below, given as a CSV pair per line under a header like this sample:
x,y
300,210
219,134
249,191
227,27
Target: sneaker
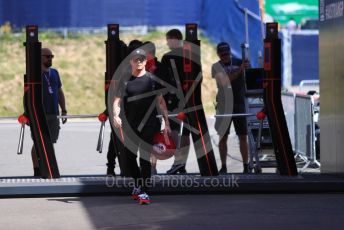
x,y
246,171
144,198
176,169
135,193
223,170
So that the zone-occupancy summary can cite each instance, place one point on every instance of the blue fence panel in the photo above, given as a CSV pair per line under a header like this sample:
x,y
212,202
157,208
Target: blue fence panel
x,y
177,12
224,20
1,14
98,13
305,57
39,12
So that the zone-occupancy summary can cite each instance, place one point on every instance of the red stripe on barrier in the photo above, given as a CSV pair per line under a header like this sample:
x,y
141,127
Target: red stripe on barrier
x,y
187,64
267,56
40,133
279,132
200,130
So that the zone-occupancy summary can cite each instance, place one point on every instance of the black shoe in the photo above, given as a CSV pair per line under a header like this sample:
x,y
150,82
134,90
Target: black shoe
x,y
223,170
176,169
36,172
246,171
182,170
110,171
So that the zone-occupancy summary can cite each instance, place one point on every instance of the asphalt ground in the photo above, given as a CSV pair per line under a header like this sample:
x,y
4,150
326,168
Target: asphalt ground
x,y
247,211
76,155
76,151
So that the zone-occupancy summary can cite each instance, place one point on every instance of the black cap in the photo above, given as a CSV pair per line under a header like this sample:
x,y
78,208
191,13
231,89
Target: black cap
x,y
138,53
223,47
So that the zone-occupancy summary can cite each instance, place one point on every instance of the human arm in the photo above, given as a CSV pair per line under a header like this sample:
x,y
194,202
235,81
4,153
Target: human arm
x,y
235,74
62,103
225,78
238,69
116,111
218,73
222,79
162,106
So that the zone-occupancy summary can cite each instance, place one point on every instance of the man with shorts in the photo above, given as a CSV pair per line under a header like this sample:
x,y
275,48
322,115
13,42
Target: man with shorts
x,y
53,96
228,75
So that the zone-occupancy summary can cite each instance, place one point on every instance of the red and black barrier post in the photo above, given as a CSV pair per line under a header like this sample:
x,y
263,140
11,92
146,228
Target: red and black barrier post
x,y
116,51
273,104
113,59
192,84
33,106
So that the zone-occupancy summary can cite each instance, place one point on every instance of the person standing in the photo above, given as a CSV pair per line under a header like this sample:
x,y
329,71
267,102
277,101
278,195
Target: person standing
x,y
228,75
173,64
53,97
139,93
115,144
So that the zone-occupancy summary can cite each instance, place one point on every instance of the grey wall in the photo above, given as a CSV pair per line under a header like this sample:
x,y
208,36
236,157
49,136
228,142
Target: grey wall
x,y
331,61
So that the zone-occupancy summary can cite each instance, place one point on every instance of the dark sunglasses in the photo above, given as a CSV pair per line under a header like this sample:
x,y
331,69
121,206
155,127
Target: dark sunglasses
x,y
48,56
224,55
141,59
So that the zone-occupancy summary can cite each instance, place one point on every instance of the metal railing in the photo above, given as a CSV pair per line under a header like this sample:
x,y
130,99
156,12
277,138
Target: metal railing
x,y
23,120
299,113
101,117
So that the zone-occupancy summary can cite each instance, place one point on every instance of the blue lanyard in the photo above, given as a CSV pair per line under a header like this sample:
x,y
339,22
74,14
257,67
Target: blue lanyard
x,y
47,78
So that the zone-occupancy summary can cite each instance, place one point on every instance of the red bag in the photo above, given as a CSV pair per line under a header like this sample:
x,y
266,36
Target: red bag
x,y
163,146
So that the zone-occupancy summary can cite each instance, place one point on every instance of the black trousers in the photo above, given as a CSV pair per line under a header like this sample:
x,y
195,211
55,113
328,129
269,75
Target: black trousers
x,y
115,149
142,141
112,152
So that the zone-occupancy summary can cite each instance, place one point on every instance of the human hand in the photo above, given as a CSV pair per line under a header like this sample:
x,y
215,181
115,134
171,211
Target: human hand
x,y
245,65
117,121
64,113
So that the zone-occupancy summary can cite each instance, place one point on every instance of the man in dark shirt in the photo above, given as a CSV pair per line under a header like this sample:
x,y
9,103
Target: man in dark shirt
x,y
230,83
140,94
173,64
53,96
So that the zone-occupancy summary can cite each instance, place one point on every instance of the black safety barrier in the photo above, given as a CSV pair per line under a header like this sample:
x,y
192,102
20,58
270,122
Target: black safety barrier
x,y
116,51
33,106
24,120
273,104
193,77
